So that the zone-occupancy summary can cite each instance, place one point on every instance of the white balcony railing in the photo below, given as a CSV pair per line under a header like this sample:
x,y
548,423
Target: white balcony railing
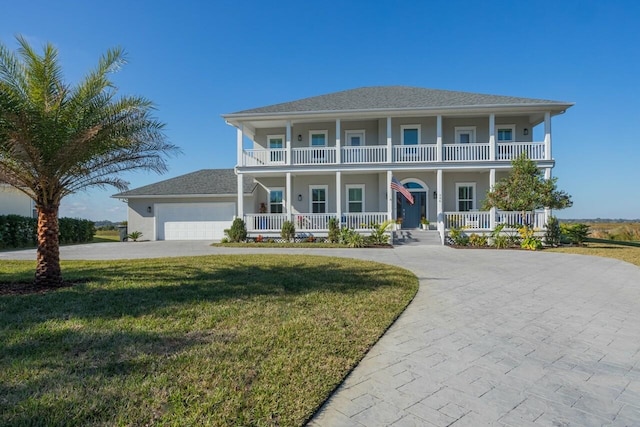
x,y
376,154
365,154
312,222
482,220
513,150
466,152
415,153
314,155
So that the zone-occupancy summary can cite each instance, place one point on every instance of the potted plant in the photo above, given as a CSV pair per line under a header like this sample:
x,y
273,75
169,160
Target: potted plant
x,y
424,223
398,223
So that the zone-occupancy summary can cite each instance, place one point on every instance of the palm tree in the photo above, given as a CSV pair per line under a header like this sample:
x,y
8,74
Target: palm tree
x,y
57,139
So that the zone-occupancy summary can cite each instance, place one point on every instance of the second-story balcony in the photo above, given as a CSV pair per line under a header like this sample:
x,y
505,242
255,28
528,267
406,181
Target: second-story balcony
x,y
380,154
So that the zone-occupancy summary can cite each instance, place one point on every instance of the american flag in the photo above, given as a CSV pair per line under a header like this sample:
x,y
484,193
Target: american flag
x,y
397,185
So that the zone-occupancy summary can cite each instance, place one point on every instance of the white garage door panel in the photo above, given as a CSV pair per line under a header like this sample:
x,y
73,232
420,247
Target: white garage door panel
x,y
193,221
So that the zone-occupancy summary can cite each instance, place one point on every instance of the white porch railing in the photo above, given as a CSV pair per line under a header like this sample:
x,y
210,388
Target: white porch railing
x,y
534,219
415,153
465,152
468,220
313,155
265,222
482,220
513,150
364,220
364,154
312,222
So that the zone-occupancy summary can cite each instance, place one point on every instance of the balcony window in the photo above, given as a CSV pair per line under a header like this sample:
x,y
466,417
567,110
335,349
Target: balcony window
x,y
355,138
410,134
465,134
276,142
465,196
276,200
505,133
318,140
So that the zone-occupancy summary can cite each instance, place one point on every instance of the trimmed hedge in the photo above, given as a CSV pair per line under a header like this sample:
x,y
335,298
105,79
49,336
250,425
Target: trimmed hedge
x,y
18,231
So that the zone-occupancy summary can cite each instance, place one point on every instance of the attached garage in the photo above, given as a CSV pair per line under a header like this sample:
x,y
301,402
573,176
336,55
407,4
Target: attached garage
x,y
193,221
197,206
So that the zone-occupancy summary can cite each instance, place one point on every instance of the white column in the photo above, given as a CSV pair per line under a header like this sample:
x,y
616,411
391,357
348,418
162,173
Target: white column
x,y
389,194
492,211
389,142
240,196
547,136
547,211
339,196
288,142
288,195
492,137
440,187
439,138
239,138
338,150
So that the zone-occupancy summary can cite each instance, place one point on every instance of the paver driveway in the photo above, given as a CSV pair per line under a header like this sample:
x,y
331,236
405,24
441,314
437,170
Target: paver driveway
x,y
492,338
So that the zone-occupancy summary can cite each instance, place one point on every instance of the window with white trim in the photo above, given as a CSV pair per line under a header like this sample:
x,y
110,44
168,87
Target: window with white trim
x,y
466,196
276,142
505,133
354,138
410,134
465,134
318,138
276,200
318,198
355,198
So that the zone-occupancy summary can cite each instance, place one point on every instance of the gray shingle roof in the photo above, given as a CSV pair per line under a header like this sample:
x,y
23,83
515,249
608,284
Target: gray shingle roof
x,y
393,97
202,182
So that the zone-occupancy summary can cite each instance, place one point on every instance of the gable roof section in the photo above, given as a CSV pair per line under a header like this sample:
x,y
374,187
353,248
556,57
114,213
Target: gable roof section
x,y
205,182
394,98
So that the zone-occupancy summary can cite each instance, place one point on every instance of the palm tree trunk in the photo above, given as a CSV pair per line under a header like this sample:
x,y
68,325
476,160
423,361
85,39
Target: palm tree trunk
x,y
48,273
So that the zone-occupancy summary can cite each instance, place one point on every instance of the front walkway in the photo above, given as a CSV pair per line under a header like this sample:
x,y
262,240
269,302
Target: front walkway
x,y
492,338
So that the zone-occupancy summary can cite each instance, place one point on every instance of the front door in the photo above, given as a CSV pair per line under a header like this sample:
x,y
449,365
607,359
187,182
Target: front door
x,y
411,214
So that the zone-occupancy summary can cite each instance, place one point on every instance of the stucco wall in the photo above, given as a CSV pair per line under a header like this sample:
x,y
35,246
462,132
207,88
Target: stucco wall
x,y
14,202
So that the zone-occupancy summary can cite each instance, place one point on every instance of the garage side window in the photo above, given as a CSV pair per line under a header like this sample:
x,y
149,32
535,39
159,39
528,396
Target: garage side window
x,y
276,200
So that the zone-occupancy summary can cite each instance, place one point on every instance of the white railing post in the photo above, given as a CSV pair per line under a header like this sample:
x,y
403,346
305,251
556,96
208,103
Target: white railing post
x,y
492,136
439,138
492,211
338,151
288,142
389,142
240,196
440,205
338,195
239,138
389,194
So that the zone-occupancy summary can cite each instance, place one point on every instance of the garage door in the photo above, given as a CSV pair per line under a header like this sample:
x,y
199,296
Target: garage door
x,y
193,221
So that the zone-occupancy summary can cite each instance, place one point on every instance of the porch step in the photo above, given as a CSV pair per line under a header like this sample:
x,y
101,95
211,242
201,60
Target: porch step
x,y
417,237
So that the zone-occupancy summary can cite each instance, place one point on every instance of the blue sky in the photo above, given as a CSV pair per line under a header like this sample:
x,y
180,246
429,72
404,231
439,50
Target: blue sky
x,y
199,59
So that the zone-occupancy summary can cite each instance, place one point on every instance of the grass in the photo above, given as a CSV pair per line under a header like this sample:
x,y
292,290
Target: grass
x,y
103,236
608,250
216,340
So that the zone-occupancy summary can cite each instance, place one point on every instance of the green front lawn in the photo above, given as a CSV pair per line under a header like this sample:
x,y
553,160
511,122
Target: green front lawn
x,y
608,250
216,340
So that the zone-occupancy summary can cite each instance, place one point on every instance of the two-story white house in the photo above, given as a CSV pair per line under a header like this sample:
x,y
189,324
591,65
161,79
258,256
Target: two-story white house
x,y
336,156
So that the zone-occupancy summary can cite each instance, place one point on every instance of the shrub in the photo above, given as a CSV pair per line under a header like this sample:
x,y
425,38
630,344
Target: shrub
x,y
528,238
334,231
477,240
379,234
134,235
355,240
552,235
224,240
238,231
18,231
575,233
458,236
288,231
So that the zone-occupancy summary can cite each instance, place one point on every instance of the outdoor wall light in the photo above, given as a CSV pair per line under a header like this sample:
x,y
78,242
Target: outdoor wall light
x,y
300,138
149,209
299,197
525,132
435,194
